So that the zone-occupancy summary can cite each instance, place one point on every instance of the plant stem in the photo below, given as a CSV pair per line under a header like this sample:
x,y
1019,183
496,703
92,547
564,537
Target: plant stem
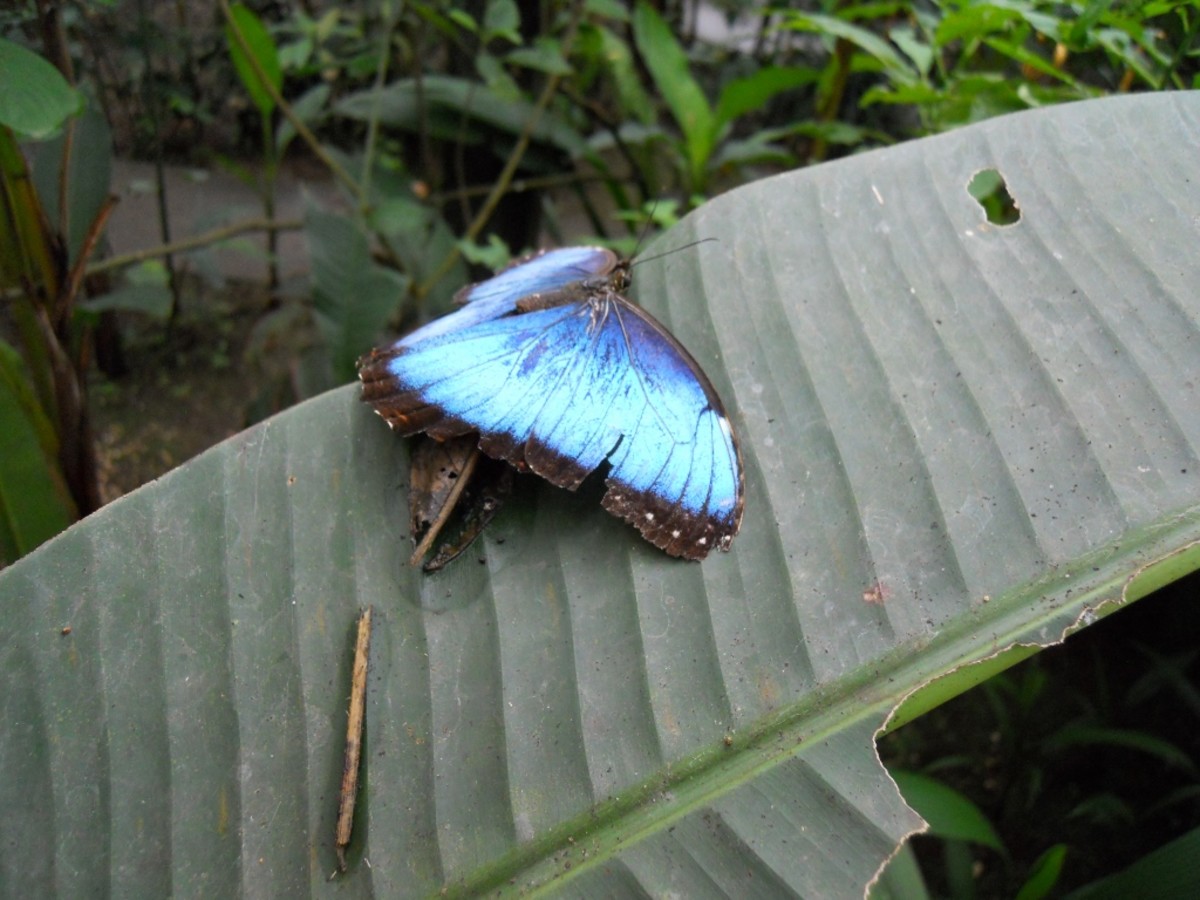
x,y
504,180
153,108
270,179
373,124
286,108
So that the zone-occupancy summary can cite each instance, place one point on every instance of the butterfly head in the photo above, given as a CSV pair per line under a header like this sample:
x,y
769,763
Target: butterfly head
x,y
615,282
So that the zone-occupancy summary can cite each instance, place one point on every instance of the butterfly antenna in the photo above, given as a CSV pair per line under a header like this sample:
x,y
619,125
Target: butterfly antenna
x,y
645,229
672,250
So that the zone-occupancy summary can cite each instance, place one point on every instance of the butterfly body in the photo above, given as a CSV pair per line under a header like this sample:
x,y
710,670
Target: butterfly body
x,y
559,374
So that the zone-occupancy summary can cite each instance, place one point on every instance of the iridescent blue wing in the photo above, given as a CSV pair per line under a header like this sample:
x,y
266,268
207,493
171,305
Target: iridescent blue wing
x,y
537,273
560,391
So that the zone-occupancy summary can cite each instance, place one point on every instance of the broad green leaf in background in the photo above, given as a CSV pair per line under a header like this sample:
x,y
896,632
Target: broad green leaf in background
x,y
145,288
352,294
501,20
88,176
308,107
35,99
439,104
958,437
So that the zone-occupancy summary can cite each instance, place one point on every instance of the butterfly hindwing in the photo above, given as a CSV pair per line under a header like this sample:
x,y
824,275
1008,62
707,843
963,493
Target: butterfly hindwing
x,y
454,492
696,466
561,390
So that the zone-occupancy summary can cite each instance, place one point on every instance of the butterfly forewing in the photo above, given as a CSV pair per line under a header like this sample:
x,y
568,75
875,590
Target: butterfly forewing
x,y
545,271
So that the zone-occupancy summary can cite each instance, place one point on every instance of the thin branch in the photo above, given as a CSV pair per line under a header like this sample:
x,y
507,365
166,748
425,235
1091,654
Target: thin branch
x,y
198,242
64,304
520,186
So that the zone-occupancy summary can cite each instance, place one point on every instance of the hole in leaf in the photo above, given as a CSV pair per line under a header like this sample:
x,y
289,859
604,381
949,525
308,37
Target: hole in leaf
x,y
989,189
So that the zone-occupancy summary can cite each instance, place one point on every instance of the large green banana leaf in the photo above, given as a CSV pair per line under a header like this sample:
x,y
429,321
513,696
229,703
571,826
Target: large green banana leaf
x,y
957,436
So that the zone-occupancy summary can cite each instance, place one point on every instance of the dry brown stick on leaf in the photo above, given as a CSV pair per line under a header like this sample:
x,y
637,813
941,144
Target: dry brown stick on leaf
x,y
354,728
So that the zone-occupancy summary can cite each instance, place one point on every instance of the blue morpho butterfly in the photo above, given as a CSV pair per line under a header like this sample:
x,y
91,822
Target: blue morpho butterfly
x,y
559,373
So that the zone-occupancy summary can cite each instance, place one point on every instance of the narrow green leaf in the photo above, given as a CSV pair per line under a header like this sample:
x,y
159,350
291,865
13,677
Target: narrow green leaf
x,y
744,95
262,48
950,813
1123,48
1017,52
914,47
35,99
758,149
25,252
464,20
34,502
1044,874
865,39
669,67
1166,874
1072,736
545,56
612,10
617,58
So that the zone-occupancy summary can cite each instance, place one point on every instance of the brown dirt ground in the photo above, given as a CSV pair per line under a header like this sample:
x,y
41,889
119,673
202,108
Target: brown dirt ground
x,y
187,387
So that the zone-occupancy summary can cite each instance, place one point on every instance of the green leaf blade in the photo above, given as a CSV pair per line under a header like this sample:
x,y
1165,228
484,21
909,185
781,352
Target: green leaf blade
x,y
35,504
353,295
36,99
671,71
744,95
263,52
950,814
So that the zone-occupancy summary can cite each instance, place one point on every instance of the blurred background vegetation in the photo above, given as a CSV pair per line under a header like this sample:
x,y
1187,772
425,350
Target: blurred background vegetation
x,y
448,138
